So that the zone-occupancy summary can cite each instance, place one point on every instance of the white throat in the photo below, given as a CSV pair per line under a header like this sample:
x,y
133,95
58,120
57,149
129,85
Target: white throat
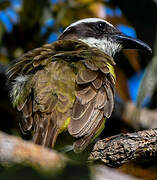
x,y
107,46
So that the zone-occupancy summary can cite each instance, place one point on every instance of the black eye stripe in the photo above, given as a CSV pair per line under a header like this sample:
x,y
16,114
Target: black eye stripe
x,y
101,25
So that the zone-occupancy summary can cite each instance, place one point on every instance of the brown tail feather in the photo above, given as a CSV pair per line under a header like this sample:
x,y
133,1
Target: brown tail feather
x,y
52,134
41,132
46,132
26,120
25,124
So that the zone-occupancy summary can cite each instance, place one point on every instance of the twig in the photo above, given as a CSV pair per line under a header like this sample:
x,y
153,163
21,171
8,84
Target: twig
x,y
136,118
116,150
15,150
101,172
139,118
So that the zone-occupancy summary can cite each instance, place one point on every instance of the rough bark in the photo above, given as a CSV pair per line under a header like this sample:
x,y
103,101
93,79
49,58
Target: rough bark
x,y
116,150
16,150
112,151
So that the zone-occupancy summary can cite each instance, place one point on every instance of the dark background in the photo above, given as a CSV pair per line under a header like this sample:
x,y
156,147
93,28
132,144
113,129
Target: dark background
x,y
27,24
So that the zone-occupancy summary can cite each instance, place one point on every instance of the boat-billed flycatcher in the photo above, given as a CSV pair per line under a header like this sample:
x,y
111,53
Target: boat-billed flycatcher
x,y
69,85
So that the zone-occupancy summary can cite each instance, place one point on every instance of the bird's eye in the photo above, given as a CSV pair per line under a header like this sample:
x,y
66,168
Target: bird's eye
x,y
101,25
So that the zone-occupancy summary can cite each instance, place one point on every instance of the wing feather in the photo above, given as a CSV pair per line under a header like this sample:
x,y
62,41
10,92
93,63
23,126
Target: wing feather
x,y
85,95
97,83
82,143
94,101
46,104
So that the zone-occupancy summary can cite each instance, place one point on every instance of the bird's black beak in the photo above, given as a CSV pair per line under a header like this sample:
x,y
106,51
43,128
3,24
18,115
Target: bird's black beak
x,y
128,42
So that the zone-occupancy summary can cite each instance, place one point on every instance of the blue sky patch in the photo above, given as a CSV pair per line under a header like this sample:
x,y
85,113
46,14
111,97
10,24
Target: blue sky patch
x,y
127,30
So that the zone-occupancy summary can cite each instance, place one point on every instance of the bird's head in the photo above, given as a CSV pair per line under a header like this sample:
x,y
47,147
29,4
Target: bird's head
x,y
103,35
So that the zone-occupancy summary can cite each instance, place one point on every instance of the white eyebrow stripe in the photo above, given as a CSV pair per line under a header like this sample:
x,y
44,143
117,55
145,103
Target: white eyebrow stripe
x,y
88,20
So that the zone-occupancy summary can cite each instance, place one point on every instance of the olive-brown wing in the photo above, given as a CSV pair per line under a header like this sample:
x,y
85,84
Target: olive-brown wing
x,y
36,59
94,101
39,115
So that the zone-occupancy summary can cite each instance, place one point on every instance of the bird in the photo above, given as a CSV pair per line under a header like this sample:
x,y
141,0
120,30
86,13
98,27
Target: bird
x,y
69,85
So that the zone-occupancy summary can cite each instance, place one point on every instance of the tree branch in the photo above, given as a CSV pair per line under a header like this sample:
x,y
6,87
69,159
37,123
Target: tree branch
x,y
15,150
100,172
136,118
139,118
117,150
112,151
